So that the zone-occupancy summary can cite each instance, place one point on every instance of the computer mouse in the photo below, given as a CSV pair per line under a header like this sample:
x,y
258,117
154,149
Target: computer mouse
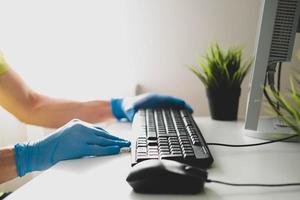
x,y
166,177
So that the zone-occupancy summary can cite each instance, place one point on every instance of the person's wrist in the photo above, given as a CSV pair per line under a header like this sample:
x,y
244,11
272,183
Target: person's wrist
x,y
116,107
23,156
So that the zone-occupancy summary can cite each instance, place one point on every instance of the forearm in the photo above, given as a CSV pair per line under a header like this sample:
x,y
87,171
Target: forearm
x,y
33,108
54,113
7,165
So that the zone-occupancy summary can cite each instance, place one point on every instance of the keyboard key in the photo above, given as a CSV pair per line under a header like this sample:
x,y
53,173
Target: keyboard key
x,y
152,147
183,137
182,133
164,150
141,141
138,153
175,145
152,142
163,147
141,145
186,146
141,150
173,138
187,151
188,155
153,151
171,134
151,135
162,134
177,153
196,142
185,142
162,154
142,158
162,139
175,149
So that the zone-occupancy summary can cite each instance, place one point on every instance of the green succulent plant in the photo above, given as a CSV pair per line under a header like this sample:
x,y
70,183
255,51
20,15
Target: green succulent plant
x,y
288,109
221,69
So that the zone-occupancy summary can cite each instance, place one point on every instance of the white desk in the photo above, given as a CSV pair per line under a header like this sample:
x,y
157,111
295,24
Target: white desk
x,y
104,177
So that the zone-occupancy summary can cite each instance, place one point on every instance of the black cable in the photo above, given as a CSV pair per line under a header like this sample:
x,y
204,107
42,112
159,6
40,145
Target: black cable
x,y
274,105
250,145
267,95
253,184
279,81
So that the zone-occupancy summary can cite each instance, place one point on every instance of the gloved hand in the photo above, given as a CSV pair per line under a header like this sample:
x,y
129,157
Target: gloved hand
x,y
74,140
127,107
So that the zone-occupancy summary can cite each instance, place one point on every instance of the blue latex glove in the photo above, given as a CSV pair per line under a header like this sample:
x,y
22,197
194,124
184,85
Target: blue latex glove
x,y
127,107
74,140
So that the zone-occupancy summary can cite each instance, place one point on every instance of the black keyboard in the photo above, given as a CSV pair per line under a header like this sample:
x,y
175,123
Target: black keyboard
x,y
168,134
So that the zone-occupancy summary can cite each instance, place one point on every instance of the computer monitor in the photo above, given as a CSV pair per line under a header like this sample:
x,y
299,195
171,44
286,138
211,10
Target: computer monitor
x,y
277,29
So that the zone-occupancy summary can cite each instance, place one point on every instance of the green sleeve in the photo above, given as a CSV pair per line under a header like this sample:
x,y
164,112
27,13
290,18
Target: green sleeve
x,y
3,65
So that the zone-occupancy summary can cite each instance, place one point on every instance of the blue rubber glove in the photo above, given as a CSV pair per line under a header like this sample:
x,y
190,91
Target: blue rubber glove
x,y
127,107
74,140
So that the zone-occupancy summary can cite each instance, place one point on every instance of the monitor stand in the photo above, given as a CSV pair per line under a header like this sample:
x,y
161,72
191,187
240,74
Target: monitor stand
x,y
270,128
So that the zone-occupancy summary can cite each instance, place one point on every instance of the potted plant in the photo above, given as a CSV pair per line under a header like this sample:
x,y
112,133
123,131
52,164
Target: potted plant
x,y
222,73
287,109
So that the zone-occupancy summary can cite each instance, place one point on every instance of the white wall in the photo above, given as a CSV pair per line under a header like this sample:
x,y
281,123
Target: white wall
x,y
69,48
170,33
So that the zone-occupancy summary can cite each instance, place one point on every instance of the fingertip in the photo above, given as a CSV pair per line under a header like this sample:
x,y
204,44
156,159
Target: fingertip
x,y
189,108
124,143
128,143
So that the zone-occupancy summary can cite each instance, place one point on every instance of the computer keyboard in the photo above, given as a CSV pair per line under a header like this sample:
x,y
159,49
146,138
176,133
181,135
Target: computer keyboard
x,y
168,134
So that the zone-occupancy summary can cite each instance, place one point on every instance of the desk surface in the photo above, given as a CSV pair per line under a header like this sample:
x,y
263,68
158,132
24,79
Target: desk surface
x,y
104,177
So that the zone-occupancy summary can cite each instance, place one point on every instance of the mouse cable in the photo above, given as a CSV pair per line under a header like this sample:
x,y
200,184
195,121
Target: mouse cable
x,y
255,144
252,184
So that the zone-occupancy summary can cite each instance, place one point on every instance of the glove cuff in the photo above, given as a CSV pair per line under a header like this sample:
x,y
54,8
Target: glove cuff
x,y
116,107
22,156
